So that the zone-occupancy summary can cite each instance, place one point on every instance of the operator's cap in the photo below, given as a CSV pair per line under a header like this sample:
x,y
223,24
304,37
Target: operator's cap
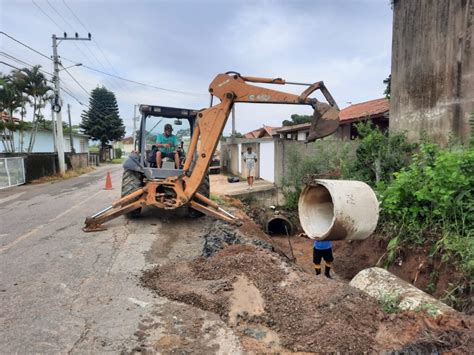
x,y
168,127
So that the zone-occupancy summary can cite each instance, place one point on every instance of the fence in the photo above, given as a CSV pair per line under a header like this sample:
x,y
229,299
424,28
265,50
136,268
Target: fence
x,y
12,172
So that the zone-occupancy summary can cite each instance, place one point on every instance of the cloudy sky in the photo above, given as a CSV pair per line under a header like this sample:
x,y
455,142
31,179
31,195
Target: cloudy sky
x,y
181,45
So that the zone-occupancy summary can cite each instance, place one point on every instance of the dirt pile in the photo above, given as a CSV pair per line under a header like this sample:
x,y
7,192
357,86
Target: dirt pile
x,y
222,235
276,306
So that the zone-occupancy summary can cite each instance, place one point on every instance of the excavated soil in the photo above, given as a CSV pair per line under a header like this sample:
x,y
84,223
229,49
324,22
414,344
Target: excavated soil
x,y
276,306
414,264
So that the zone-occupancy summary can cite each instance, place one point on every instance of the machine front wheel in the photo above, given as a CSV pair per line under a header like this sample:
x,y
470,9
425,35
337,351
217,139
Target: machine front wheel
x,y
131,181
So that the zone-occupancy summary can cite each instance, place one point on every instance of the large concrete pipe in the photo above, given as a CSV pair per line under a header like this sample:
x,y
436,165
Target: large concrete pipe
x,y
383,285
338,209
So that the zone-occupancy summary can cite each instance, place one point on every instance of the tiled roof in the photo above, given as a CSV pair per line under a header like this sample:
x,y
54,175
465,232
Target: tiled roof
x,y
296,127
261,132
127,140
5,117
368,109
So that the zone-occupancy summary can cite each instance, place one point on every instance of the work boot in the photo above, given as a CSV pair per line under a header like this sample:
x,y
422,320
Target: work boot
x,y
327,271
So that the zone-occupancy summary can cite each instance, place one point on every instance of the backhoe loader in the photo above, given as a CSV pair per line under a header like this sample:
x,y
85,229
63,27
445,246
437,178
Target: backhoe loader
x,y
168,187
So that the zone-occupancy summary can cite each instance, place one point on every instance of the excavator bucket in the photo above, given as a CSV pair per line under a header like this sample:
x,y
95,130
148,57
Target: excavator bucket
x,y
325,121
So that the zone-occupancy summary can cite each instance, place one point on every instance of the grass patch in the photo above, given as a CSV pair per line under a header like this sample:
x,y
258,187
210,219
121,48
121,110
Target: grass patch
x,y
67,175
117,161
427,308
390,303
217,199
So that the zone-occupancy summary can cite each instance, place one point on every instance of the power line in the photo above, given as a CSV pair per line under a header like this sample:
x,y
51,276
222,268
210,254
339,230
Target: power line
x,y
96,59
77,18
93,40
18,60
144,84
60,27
25,45
9,65
33,1
75,80
90,97
69,92
99,112
62,17
106,73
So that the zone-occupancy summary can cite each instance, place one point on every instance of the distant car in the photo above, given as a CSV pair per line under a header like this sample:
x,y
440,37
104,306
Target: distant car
x,y
215,166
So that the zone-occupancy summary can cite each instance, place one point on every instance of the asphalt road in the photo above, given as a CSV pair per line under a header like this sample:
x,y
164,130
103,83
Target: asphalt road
x,y
66,291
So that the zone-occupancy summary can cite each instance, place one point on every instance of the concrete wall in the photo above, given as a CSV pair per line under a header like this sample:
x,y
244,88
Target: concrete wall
x,y
38,165
77,161
432,88
267,161
284,146
231,156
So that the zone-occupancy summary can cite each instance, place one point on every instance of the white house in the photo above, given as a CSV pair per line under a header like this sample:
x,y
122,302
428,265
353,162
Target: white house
x,y
44,142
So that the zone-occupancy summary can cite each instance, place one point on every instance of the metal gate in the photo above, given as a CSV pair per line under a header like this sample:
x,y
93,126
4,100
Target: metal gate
x,y
12,172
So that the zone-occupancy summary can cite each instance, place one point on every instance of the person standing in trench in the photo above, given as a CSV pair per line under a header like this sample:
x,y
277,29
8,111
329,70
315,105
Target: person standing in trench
x,y
250,159
322,249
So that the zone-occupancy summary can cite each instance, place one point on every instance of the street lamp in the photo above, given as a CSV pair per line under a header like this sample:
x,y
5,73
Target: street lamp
x,y
75,65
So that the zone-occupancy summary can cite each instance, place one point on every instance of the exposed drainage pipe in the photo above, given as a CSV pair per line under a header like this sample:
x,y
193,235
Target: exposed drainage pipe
x,y
338,209
383,285
277,224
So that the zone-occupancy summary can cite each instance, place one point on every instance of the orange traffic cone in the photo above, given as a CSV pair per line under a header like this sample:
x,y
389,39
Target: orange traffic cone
x,y
108,182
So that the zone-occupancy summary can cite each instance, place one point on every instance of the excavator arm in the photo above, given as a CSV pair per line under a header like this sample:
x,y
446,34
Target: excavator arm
x,y
230,88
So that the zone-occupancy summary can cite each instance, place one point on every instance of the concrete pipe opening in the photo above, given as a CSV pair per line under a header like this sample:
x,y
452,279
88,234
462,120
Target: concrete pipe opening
x,y
279,226
338,209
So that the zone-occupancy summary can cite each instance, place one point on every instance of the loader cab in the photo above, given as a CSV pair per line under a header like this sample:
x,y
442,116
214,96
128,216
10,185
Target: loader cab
x,y
153,121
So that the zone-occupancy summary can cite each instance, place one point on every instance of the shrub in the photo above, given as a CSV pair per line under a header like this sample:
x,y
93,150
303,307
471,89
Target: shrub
x,y
431,200
378,155
329,161
118,153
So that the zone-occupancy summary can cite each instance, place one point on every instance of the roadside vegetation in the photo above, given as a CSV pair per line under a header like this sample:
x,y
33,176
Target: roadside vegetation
x,y
426,193
21,90
67,175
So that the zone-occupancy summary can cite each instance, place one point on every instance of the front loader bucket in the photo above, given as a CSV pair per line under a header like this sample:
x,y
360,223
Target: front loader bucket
x,y
325,121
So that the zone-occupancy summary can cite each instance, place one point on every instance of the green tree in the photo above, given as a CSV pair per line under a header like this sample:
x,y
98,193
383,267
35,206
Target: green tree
x,y
387,82
297,119
18,80
379,155
10,100
102,120
35,86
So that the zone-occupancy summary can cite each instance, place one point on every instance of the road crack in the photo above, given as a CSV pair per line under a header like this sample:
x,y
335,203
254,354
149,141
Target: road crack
x,y
82,336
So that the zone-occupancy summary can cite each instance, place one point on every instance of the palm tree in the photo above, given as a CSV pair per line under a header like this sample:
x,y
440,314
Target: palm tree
x,y
10,100
18,78
37,90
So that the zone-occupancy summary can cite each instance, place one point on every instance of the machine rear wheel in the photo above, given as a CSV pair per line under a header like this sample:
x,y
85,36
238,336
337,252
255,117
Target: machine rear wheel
x,y
131,181
205,190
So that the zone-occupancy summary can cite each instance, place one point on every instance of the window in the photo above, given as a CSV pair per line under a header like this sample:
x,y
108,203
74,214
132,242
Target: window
x,y
83,146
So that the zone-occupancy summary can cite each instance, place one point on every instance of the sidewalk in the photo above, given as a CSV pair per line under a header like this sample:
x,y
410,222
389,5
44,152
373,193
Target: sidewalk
x,y
221,187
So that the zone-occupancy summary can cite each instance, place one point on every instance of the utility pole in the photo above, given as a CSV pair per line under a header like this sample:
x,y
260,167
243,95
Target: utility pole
x,y
57,96
134,125
70,128
54,128
233,124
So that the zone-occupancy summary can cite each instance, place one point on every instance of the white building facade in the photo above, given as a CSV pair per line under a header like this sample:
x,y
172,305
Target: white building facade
x,y
44,142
